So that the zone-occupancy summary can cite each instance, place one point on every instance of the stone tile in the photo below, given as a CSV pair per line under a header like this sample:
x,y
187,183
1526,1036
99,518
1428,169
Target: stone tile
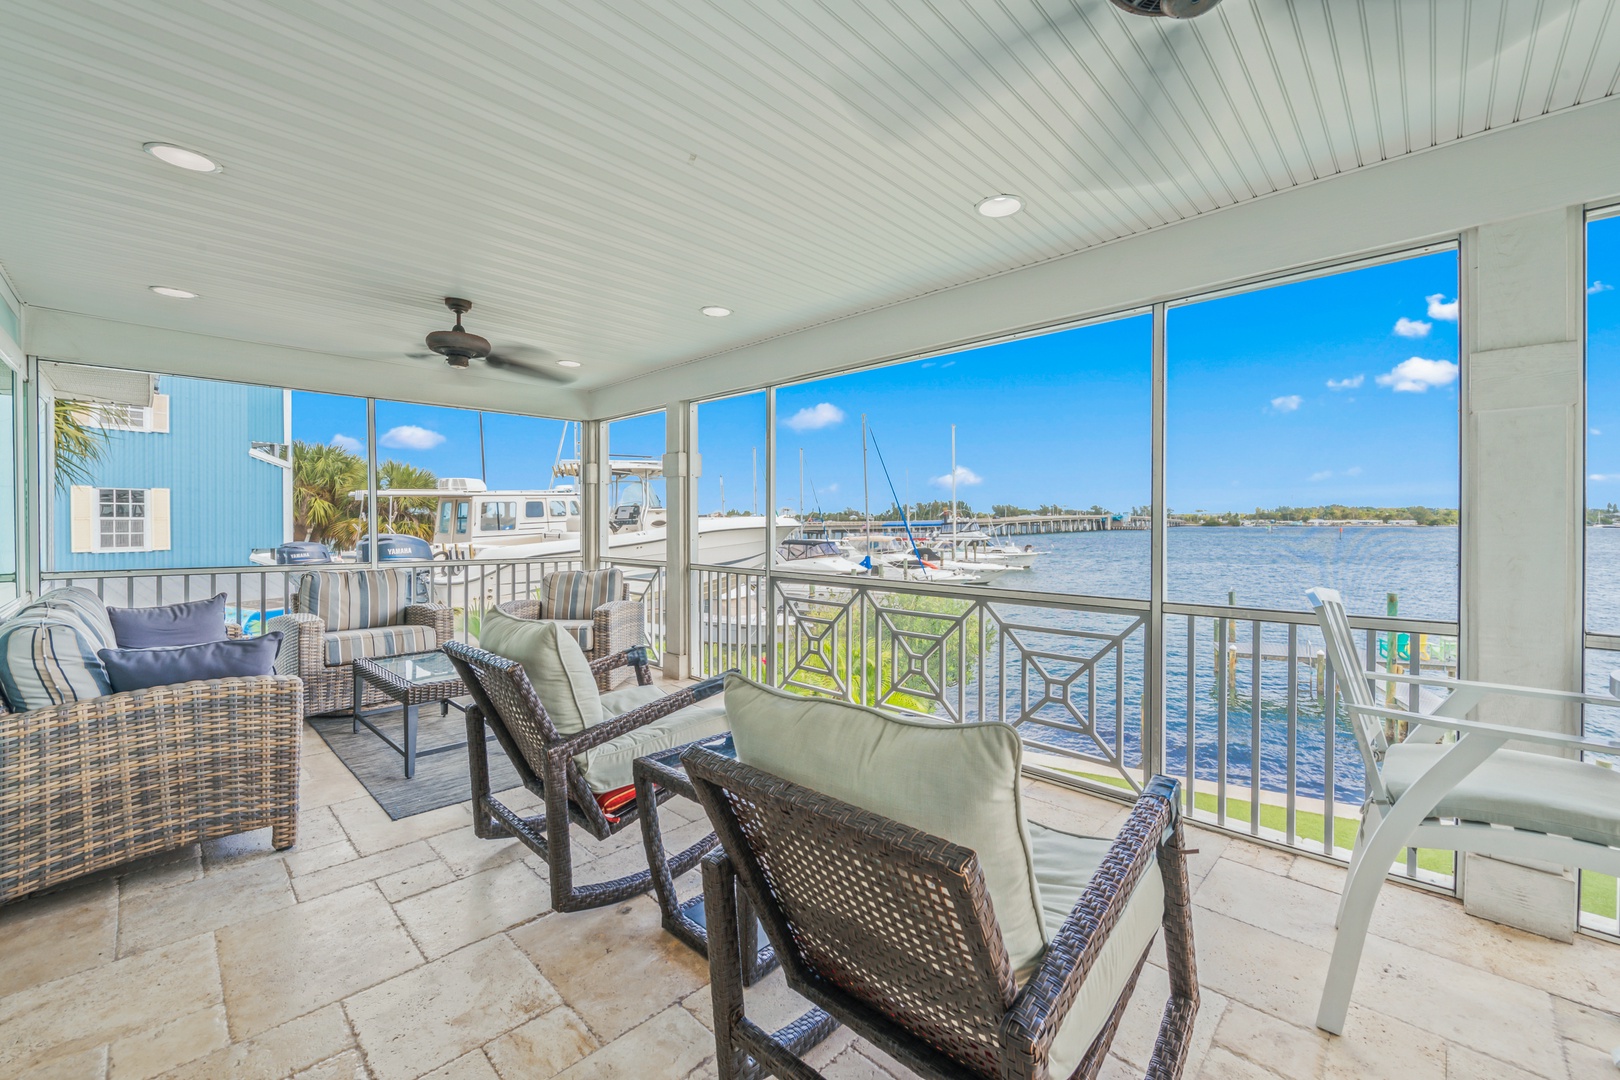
x,y
307,860
1222,1064
102,1004
415,879
279,1052
1587,1025
1263,970
543,1047
88,1064
472,1066
343,875
58,934
243,892
854,1065
371,830
668,1046
1485,1012
442,1010
465,853
160,872
295,960
1323,875
1260,857
592,956
1277,905
1139,1027
1465,1064
444,919
1208,847
1372,1045
151,1053
1585,1063
348,1065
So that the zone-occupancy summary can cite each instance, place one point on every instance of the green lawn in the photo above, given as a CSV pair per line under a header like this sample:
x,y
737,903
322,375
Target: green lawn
x,y
1597,890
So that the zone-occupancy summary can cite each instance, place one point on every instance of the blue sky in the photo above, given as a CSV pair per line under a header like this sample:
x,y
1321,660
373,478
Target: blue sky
x,y
1603,362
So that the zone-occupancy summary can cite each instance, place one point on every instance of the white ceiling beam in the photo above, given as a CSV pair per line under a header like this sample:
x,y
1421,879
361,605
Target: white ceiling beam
x,y
1565,159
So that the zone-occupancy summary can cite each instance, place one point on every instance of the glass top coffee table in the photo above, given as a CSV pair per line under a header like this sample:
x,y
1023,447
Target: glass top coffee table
x,y
687,920
412,680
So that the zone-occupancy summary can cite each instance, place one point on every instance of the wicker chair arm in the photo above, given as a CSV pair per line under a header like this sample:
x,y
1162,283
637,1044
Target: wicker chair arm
x,y
279,696
522,609
302,650
438,616
635,656
608,730
1039,1010
619,625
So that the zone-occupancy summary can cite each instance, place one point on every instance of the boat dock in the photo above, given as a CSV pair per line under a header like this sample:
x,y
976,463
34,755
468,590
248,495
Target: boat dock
x,y
1025,525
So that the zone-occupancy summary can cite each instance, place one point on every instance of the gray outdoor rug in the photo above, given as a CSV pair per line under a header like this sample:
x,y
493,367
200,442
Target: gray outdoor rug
x,y
441,779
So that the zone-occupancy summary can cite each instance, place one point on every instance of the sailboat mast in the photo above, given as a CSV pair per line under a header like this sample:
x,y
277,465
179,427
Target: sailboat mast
x,y
953,487
801,483
866,490
756,480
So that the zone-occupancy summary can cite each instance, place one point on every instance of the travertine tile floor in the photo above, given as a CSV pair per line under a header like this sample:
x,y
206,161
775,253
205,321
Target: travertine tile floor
x,y
395,950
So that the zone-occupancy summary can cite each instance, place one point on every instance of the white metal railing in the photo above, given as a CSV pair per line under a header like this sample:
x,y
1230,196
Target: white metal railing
x,y
1600,893
648,582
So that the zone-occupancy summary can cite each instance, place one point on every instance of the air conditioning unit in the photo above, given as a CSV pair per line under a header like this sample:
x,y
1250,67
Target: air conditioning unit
x,y
460,483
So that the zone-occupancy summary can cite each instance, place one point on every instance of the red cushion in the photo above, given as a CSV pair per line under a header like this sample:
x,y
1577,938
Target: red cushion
x,y
613,801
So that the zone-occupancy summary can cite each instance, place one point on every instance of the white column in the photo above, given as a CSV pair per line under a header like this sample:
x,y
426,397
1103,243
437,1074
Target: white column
x,y
594,481
681,470
1523,504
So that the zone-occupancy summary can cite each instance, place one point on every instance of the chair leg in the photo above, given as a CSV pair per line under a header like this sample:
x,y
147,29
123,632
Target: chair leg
x,y
725,965
1363,831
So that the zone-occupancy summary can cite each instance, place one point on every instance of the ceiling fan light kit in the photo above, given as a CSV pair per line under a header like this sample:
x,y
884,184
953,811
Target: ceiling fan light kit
x,y
460,348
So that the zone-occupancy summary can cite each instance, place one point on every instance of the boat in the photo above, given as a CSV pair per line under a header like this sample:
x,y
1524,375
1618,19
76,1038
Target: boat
x,y
975,545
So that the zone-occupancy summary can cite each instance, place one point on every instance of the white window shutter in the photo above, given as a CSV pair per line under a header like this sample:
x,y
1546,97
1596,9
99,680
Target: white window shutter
x,y
82,500
157,519
159,412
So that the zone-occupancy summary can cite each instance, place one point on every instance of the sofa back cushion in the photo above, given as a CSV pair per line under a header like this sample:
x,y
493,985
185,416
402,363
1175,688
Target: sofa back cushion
x,y
576,594
959,782
555,664
137,669
171,625
48,652
355,600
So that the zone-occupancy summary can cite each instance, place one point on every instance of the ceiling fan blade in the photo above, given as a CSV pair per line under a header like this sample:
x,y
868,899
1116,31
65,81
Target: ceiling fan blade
x,y
505,361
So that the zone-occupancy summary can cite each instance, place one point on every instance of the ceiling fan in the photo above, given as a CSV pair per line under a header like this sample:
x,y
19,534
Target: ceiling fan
x,y
1170,9
459,348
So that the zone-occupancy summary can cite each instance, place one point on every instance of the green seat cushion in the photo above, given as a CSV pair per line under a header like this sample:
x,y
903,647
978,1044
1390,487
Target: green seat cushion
x,y
1524,790
618,702
1064,866
607,767
555,663
956,781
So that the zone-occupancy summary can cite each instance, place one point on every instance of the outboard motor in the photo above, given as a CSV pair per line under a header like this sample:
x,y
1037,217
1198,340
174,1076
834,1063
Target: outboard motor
x,y
302,552
394,547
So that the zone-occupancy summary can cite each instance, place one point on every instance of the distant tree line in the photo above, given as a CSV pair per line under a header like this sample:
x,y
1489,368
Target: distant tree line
x,y
1423,515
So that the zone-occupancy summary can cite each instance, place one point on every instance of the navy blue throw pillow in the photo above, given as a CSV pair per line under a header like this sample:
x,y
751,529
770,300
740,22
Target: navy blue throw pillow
x,y
136,669
175,624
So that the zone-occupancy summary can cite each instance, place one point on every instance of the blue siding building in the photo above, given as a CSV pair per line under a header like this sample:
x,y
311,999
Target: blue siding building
x,y
200,478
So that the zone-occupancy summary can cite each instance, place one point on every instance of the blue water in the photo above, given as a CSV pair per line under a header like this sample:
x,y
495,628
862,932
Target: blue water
x,y
1259,568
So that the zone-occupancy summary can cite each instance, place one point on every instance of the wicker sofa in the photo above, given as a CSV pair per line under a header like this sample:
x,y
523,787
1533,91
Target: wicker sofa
x,y
338,615
98,779
595,607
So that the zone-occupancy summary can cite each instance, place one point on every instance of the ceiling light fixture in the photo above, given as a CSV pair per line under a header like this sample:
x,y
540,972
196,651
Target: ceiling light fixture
x,y
174,294
715,311
180,157
568,363
1000,205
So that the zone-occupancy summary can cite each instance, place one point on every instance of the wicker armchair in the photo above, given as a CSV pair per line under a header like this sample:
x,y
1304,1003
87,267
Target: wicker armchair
x,y
596,608
889,930
550,766
96,783
336,615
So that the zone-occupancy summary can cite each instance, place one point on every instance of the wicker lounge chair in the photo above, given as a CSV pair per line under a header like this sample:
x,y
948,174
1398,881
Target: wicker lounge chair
x,y
550,765
596,608
889,930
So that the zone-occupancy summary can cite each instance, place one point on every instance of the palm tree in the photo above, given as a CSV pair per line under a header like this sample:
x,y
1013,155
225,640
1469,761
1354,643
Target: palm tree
x,y
78,444
324,509
405,516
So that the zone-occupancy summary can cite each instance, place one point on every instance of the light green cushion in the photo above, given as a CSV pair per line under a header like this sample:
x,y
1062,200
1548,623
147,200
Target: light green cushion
x,y
956,781
617,702
556,665
607,767
1524,790
1064,866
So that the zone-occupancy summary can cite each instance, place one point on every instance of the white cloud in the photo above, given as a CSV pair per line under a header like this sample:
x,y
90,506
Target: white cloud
x,y
1441,308
1604,477
831,489
1416,375
1323,475
1595,431
1354,470
816,417
349,443
1597,287
948,363
410,437
965,477
1352,383
1405,327
1288,403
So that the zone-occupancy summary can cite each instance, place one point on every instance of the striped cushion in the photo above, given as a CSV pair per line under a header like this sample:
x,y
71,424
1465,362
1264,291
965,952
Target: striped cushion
x,y
343,646
87,605
575,594
48,657
357,600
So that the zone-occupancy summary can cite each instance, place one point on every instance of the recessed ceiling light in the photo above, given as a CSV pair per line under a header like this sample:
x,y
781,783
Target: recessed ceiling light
x,y
715,311
180,157
177,294
568,363
1000,205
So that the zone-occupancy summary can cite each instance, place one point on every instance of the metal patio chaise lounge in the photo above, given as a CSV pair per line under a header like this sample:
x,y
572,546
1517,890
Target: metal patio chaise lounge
x,y
1467,794
889,930
504,701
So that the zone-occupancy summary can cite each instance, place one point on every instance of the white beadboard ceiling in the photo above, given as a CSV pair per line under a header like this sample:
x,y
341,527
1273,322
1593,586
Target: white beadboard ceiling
x,y
590,174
